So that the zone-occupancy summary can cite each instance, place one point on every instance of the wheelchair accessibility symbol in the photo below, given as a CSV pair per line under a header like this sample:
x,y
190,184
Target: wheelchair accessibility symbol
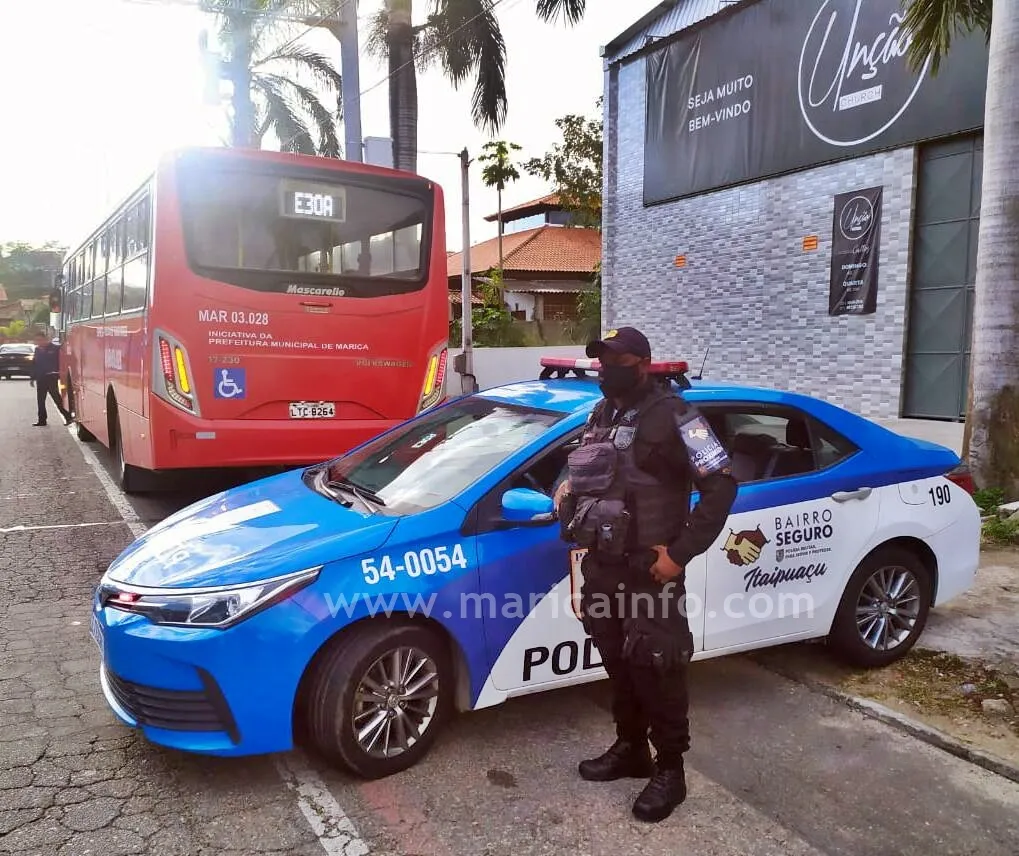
x,y
230,383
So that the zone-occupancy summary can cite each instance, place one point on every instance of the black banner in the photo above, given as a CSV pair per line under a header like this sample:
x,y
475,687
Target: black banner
x,y
780,85
855,246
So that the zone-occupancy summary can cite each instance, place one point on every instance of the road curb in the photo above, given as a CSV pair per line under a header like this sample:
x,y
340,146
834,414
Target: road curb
x,y
926,733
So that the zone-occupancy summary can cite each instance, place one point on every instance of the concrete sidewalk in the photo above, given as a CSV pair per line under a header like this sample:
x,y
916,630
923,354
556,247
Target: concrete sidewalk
x,y
982,624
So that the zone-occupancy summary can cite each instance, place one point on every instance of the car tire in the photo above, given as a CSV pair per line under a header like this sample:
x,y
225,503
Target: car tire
x,y
883,610
340,699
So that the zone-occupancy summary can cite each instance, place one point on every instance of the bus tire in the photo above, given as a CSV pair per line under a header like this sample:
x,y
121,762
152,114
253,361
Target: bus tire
x,y
83,434
127,476
336,698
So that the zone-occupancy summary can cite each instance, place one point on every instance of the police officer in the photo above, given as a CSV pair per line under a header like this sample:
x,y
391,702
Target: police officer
x,y
45,376
627,499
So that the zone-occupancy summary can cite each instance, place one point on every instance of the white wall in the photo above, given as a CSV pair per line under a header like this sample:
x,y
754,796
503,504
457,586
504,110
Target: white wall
x,y
521,302
497,366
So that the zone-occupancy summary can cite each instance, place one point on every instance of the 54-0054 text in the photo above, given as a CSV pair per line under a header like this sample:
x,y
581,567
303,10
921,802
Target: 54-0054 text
x,y
428,561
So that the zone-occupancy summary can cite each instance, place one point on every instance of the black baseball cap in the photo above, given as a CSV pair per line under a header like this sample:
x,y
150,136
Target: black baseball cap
x,y
625,340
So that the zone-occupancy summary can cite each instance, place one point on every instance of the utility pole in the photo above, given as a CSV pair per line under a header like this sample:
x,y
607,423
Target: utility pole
x,y
465,362
239,71
345,31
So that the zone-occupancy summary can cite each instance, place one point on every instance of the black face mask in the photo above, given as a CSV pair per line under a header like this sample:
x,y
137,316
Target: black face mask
x,y
619,381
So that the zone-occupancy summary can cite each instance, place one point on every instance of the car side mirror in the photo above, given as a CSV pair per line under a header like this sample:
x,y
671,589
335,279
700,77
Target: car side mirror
x,y
523,505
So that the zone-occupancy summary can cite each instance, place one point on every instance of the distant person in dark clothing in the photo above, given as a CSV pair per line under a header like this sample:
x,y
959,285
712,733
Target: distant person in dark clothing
x,y
46,377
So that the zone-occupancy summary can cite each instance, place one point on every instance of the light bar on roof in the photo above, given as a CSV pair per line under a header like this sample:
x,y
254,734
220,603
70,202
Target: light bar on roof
x,y
666,368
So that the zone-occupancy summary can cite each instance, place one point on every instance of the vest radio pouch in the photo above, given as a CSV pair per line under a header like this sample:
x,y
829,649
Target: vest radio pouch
x,y
603,524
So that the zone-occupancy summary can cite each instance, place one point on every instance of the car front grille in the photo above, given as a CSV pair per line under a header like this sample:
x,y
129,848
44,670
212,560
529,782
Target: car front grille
x,y
174,710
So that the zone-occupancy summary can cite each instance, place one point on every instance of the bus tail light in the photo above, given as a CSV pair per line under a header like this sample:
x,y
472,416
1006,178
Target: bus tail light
x,y
172,381
435,379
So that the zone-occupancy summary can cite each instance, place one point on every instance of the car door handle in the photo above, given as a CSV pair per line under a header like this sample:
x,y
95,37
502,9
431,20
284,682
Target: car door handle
x,y
846,495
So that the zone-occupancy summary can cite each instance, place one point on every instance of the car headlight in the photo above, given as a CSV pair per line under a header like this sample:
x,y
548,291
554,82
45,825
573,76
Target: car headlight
x,y
213,607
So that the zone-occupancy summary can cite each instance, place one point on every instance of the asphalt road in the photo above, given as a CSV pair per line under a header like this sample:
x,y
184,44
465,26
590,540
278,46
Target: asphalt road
x,y
775,768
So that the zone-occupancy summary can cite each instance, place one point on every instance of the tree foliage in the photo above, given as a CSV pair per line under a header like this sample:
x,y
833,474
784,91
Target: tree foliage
x,y
574,167
281,102
464,39
27,270
499,169
934,23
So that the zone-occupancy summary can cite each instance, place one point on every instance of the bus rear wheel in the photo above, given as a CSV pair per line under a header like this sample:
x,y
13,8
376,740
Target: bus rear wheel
x,y
83,433
128,477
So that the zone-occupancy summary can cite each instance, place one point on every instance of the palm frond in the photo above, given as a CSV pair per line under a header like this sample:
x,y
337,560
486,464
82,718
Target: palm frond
x,y
572,11
934,24
469,41
452,36
267,23
312,61
292,132
489,105
377,41
325,122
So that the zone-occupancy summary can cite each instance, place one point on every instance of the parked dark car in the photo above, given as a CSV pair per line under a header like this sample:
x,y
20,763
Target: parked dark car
x,y
16,360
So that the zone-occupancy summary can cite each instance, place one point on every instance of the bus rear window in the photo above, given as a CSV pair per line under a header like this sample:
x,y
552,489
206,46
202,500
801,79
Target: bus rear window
x,y
325,228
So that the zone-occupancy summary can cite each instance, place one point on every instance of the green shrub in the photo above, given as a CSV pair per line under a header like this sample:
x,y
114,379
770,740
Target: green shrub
x,y
988,499
1000,533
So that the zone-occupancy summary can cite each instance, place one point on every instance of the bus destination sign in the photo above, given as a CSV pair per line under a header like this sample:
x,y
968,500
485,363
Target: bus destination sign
x,y
308,201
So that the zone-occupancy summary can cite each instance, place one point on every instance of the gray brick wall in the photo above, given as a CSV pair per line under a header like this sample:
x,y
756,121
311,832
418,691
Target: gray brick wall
x,y
748,289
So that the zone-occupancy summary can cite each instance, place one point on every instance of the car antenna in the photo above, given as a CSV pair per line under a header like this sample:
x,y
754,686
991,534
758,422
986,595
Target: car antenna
x,y
700,374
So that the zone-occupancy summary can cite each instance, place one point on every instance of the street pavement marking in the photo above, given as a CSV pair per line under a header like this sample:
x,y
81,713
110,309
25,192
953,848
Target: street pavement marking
x,y
335,831
118,499
23,528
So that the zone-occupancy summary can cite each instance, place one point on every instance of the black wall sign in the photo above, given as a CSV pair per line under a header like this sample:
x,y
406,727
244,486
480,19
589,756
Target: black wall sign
x,y
856,240
784,84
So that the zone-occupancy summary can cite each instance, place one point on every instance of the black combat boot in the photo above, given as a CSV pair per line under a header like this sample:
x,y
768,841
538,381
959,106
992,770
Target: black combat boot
x,y
665,791
622,760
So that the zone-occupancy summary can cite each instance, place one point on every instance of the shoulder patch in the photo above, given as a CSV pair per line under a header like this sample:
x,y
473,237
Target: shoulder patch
x,y
706,454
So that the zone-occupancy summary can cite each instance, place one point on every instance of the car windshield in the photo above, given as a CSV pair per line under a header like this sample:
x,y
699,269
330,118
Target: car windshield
x,y
432,458
17,349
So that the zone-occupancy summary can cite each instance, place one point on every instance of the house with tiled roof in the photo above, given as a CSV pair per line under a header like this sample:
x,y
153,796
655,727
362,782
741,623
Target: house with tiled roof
x,y
547,262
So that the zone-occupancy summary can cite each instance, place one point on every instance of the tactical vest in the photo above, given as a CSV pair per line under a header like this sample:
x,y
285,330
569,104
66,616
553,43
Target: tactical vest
x,y
620,508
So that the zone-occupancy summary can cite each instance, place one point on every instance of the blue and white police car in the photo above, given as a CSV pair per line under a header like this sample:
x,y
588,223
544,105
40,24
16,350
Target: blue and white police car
x,y
355,605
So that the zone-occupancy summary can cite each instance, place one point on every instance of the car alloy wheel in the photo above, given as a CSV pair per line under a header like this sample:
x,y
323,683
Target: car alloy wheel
x,y
395,702
884,607
378,695
888,608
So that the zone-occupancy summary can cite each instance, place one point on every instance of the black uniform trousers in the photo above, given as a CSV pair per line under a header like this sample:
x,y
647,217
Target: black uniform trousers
x,y
49,385
647,700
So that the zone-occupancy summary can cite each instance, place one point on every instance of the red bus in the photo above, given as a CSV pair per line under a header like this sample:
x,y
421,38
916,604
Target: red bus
x,y
246,308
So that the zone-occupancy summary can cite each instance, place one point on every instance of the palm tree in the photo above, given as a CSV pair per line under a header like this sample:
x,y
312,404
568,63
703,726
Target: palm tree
x,y
464,37
991,439
498,171
266,92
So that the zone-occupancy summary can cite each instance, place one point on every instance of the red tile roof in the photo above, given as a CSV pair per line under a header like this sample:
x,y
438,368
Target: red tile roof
x,y
535,206
556,249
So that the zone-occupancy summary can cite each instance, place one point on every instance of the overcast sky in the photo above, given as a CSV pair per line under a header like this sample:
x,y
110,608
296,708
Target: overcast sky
x,y
93,91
